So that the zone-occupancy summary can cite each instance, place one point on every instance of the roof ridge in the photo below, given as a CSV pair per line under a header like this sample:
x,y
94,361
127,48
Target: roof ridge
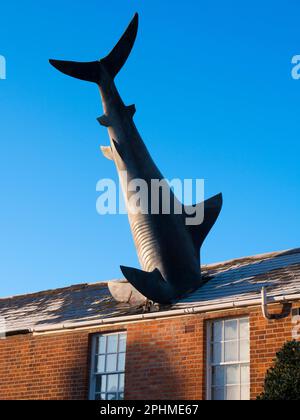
x,y
54,290
205,267
252,258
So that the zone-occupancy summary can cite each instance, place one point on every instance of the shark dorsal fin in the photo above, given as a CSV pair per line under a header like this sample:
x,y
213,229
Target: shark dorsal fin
x,y
212,209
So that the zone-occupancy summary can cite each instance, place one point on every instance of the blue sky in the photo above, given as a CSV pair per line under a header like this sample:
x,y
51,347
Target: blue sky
x,y
215,100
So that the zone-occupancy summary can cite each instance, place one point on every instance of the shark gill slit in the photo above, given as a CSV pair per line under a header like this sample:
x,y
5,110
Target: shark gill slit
x,y
146,245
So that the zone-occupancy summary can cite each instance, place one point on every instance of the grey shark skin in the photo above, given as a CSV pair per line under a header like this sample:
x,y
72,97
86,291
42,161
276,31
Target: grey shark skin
x,y
168,250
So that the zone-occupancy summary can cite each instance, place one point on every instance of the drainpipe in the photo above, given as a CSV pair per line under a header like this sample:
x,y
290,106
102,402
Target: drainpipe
x,y
286,308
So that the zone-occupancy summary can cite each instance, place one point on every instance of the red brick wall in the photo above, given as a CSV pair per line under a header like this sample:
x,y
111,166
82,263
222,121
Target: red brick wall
x,y
46,367
166,358
266,338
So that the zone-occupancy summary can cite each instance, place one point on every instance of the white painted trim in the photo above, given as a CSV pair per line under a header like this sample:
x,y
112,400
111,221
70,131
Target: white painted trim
x,y
92,369
208,370
210,365
92,375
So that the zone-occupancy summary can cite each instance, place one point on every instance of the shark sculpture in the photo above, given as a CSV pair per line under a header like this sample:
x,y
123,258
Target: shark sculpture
x,y
168,249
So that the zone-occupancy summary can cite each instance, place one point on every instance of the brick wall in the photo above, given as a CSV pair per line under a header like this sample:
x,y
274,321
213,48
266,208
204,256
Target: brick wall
x,y
166,358
46,367
266,338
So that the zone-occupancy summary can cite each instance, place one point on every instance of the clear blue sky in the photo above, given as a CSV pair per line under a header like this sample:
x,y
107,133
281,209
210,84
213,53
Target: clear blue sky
x,y
215,100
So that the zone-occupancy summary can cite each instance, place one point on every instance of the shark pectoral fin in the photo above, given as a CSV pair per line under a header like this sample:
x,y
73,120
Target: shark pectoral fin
x,y
107,152
212,209
151,284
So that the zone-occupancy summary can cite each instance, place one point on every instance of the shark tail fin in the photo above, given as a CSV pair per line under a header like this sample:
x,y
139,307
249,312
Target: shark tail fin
x,y
113,62
89,72
118,56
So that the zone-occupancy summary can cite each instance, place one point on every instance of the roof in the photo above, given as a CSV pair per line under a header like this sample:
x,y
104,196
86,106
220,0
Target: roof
x,y
243,279
227,282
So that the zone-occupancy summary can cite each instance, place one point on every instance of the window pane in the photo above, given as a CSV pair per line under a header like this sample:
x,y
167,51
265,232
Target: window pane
x,y
122,343
217,335
112,383
121,362
231,330
122,382
121,396
112,397
100,383
217,353
218,376
218,394
100,364
233,393
244,329
231,351
111,363
244,350
233,375
245,374
102,345
112,343
245,393
99,397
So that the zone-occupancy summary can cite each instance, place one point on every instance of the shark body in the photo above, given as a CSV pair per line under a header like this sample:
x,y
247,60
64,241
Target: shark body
x,y
168,249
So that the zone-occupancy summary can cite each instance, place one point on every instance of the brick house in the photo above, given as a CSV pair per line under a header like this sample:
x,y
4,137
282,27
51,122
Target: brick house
x,y
78,343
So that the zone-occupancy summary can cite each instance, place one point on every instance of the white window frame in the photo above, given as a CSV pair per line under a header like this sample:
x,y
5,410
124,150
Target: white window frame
x,y
93,374
209,364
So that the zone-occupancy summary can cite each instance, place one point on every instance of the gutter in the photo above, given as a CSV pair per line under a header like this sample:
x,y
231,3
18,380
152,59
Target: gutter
x,y
150,316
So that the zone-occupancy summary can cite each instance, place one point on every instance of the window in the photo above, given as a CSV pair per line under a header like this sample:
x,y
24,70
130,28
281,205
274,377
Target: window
x,y
108,367
228,360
